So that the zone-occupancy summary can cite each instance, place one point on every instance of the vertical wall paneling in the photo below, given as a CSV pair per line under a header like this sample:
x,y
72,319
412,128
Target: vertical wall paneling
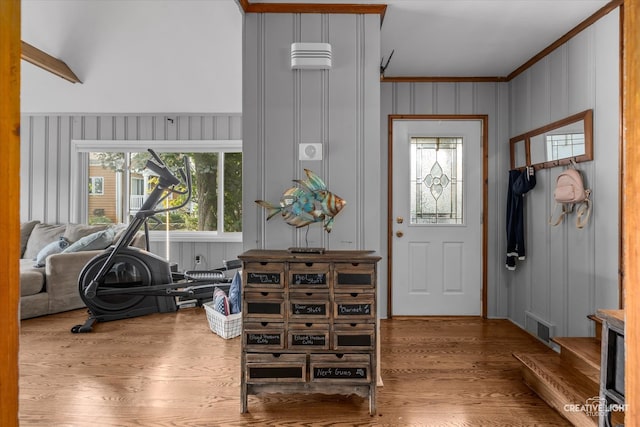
x,y
423,98
345,134
465,98
374,207
25,167
569,273
47,166
337,107
607,107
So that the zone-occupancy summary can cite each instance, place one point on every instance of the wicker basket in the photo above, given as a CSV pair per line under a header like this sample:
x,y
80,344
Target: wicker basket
x,y
226,326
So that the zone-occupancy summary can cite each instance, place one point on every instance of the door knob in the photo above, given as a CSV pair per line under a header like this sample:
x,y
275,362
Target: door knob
x,y
399,233
399,220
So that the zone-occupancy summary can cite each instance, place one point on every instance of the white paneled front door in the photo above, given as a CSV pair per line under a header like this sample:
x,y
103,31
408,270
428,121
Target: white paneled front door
x,y
437,217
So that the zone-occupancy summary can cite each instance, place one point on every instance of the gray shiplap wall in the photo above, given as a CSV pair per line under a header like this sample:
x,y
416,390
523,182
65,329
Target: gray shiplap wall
x,y
338,108
491,99
46,155
569,273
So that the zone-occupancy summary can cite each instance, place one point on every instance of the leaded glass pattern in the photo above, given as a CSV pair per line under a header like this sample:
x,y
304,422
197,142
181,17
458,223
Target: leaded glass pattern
x,y
436,180
565,145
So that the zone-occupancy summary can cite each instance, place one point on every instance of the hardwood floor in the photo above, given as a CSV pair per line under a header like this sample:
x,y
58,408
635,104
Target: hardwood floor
x,y
170,370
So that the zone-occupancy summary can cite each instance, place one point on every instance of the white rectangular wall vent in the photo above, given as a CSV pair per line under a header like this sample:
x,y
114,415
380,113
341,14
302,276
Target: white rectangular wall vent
x,y
310,56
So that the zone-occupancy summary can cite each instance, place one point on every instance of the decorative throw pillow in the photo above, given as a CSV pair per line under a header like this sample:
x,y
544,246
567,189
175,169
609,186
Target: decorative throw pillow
x,y
96,241
222,305
218,291
25,231
41,236
52,248
235,290
119,230
75,232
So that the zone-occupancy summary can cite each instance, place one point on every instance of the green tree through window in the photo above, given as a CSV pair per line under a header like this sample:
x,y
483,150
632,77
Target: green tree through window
x,y
216,203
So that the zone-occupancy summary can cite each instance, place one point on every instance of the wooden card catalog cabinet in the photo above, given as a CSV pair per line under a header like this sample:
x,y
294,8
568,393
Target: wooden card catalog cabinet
x,y
309,323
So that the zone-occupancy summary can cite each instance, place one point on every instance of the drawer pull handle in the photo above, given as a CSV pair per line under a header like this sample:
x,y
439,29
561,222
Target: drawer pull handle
x,y
353,294
308,325
308,264
339,355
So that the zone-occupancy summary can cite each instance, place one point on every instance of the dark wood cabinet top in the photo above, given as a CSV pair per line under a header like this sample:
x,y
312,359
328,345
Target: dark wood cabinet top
x,y
273,255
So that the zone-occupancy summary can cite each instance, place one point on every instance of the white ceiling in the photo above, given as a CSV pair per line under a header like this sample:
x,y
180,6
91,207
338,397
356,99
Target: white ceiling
x,y
469,38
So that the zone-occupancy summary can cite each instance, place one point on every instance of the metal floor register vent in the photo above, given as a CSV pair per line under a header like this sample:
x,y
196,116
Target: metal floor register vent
x,y
539,327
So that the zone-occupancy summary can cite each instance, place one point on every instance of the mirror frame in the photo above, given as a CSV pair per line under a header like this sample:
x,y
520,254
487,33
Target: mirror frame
x,y
586,116
513,142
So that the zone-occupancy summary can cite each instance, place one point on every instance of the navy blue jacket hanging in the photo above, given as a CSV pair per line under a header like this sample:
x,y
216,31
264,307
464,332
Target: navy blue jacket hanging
x,y
520,182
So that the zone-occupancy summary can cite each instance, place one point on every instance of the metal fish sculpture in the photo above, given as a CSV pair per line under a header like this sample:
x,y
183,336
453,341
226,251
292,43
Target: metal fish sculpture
x,y
310,202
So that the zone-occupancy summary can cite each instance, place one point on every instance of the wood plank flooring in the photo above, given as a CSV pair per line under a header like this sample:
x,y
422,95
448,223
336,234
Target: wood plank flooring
x,y
170,370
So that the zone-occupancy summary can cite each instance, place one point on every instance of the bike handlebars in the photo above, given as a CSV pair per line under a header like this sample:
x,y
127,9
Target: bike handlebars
x,y
167,181
167,178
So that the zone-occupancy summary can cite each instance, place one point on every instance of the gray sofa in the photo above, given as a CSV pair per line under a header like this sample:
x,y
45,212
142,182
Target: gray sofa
x,y
52,257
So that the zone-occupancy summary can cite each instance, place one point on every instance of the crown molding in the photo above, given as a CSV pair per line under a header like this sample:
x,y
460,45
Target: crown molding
x,y
344,8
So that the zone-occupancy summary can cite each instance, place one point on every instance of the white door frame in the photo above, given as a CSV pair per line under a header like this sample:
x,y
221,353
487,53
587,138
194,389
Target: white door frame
x,y
485,171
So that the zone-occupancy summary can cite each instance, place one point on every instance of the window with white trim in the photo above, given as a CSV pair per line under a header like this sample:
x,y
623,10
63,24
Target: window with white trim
x,y
96,185
215,209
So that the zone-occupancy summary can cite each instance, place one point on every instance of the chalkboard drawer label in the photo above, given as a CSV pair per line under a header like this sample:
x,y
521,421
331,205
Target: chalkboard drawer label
x,y
309,275
263,275
309,305
268,305
308,335
354,306
354,276
352,336
338,368
269,368
264,335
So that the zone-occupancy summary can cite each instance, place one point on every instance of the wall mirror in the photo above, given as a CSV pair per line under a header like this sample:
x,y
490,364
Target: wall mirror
x,y
555,144
519,153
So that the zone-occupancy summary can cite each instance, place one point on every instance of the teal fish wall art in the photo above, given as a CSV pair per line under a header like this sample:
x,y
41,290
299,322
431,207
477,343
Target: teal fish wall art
x,y
307,203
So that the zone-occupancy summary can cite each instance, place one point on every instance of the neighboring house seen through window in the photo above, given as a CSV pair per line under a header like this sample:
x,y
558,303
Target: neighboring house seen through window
x,y
119,184
96,185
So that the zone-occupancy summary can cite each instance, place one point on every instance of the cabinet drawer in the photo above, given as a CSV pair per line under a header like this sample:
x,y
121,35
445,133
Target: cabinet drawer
x,y
264,335
354,277
353,336
354,306
276,367
268,305
337,368
308,336
309,305
309,275
263,275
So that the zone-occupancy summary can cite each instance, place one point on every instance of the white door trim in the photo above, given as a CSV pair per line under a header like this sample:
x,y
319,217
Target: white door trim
x,y
485,171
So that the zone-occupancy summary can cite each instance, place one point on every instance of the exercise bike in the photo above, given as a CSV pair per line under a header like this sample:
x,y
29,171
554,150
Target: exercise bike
x,y
125,281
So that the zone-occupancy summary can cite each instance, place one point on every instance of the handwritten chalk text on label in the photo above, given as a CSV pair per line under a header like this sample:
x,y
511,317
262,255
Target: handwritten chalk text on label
x,y
354,309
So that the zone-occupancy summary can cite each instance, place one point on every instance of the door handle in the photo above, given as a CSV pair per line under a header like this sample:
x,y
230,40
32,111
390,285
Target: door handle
x,y
399,220
399,233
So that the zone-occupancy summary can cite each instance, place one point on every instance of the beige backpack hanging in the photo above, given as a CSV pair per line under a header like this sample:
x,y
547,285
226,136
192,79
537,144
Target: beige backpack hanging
x,y
570,192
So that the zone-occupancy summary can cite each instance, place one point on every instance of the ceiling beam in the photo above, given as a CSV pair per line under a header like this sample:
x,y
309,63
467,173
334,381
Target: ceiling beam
x,y
47,62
